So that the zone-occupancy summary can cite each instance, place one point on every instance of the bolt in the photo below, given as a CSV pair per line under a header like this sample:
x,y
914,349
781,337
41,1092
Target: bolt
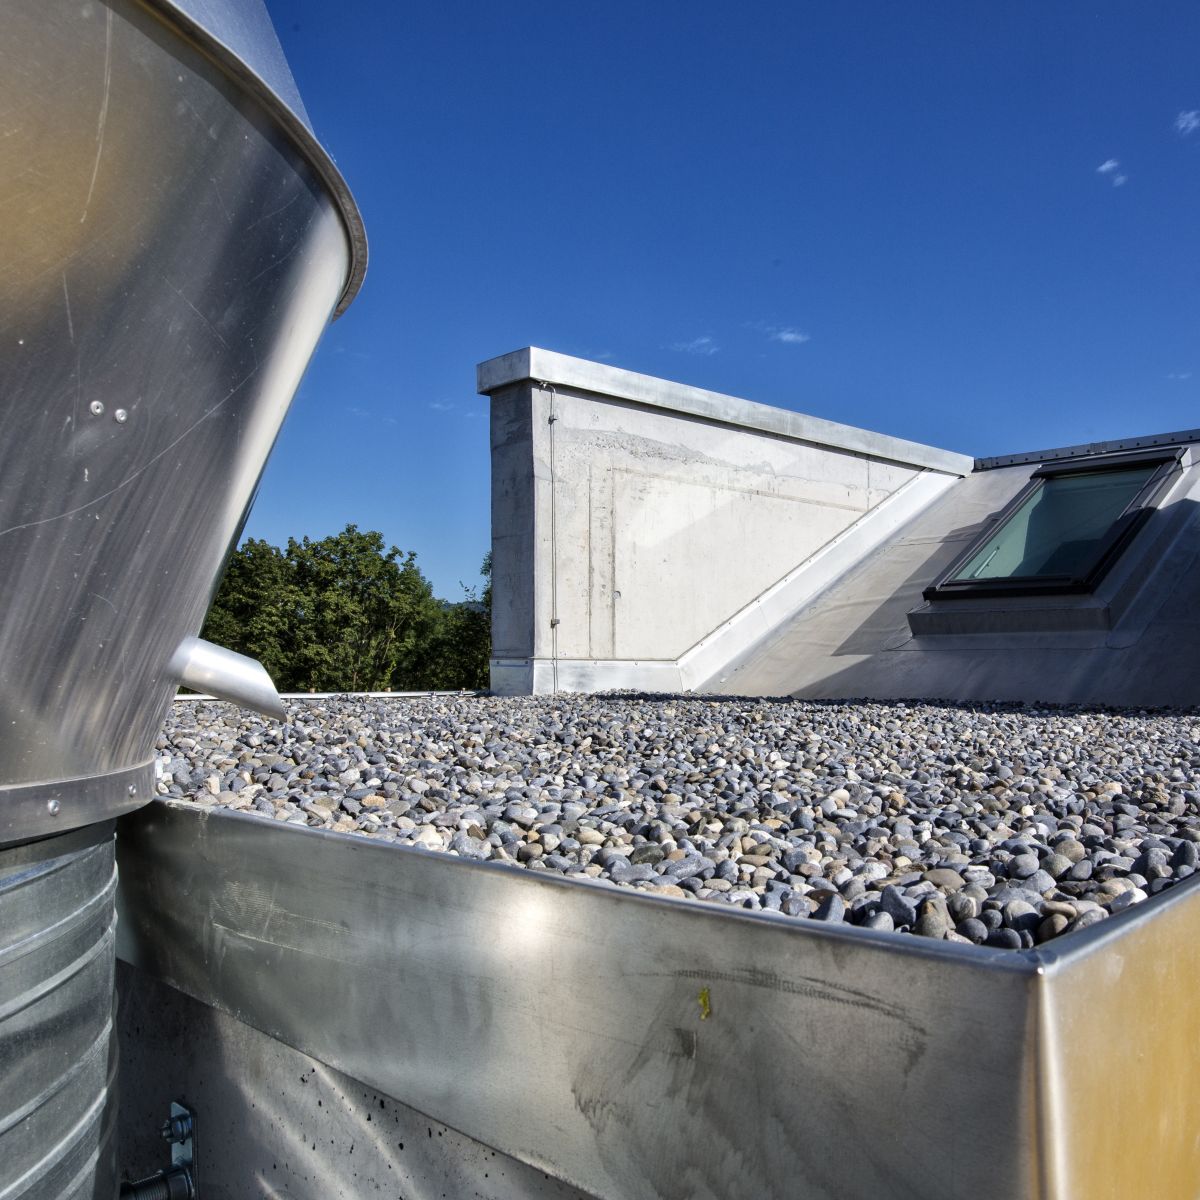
x,y
133,789
120,416
96,407
52,807
177,1129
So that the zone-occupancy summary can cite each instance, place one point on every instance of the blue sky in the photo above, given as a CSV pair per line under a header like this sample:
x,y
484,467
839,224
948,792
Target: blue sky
x,y
900,216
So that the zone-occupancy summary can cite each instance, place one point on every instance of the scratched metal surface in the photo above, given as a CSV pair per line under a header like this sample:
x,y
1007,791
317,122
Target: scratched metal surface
x,y
239,36
630,1046
275,1122
168,260
244,28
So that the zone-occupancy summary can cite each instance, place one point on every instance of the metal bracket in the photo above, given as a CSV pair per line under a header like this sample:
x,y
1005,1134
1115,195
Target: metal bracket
x,y
179,1180
180,1131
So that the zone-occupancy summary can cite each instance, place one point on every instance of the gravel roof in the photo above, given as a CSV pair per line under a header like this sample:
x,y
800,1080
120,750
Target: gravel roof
x,y
996,823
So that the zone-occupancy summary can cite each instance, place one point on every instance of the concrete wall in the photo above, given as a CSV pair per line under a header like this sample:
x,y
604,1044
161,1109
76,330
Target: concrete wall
x,y
646,533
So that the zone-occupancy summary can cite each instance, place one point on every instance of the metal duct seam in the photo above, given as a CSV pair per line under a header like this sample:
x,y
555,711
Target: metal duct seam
x,y
39,809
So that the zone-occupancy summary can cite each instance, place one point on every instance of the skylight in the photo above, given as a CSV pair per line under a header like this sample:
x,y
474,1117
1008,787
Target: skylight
x,y
1065,529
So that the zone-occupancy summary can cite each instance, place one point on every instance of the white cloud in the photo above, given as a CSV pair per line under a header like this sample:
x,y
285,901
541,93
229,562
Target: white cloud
x,y
1119,180
1107,166
790,337
441,405
1180,375
700,345
1188,122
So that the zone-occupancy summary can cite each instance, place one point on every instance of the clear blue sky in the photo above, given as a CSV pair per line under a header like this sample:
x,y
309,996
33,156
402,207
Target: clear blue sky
x,y
897,215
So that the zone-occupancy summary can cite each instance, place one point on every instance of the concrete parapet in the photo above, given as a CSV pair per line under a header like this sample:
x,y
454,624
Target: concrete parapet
x,y
645,534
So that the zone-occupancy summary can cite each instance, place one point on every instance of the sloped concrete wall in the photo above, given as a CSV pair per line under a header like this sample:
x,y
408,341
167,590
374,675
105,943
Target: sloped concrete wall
x,y
645,532
1133,641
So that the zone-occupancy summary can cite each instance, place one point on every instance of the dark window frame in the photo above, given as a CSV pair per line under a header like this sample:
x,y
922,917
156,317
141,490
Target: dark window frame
x,y
1119,535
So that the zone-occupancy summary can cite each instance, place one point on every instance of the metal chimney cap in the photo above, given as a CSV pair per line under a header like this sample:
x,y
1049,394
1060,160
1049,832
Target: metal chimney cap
x,y
239,37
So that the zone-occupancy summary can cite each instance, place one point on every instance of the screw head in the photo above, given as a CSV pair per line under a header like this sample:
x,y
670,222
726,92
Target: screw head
x,y
96,407
52,807
120,416
133,789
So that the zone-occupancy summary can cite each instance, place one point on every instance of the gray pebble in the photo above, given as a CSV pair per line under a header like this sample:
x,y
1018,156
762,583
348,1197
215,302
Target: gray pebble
x,y
1056,865
1091,917
1021,866
1004,939
831,908
973,930
898,906
933,921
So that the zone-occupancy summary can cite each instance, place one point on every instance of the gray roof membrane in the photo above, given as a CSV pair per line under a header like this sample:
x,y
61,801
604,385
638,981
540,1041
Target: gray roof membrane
x,y
1134,642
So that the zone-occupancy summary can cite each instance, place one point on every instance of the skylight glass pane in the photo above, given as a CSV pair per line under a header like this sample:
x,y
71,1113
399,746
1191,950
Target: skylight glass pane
x,y
1061,528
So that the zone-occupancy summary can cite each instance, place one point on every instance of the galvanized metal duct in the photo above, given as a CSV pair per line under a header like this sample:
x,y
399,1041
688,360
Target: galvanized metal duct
x,y
171,254
175,241
57,1049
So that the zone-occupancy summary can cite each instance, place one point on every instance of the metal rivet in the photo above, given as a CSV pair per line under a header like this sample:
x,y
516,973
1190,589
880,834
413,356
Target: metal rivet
x,y
120,415
52,807
133,789
96,407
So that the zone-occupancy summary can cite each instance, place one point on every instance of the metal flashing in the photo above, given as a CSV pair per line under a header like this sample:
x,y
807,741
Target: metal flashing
x,y
1089,449
545,368
38,810
1122,531
671,1033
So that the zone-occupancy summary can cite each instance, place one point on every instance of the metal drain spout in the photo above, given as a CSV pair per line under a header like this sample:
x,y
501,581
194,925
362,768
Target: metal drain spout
x,y
227,675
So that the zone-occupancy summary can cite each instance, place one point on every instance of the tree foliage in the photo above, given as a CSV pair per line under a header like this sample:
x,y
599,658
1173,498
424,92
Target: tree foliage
x,y
462,643
342,614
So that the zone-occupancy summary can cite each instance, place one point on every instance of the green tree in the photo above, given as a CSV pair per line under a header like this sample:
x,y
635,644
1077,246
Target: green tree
x,y
254,610
342,614
363,613
458,653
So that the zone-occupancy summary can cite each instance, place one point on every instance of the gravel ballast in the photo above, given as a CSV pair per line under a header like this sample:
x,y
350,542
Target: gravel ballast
x,y
995,824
